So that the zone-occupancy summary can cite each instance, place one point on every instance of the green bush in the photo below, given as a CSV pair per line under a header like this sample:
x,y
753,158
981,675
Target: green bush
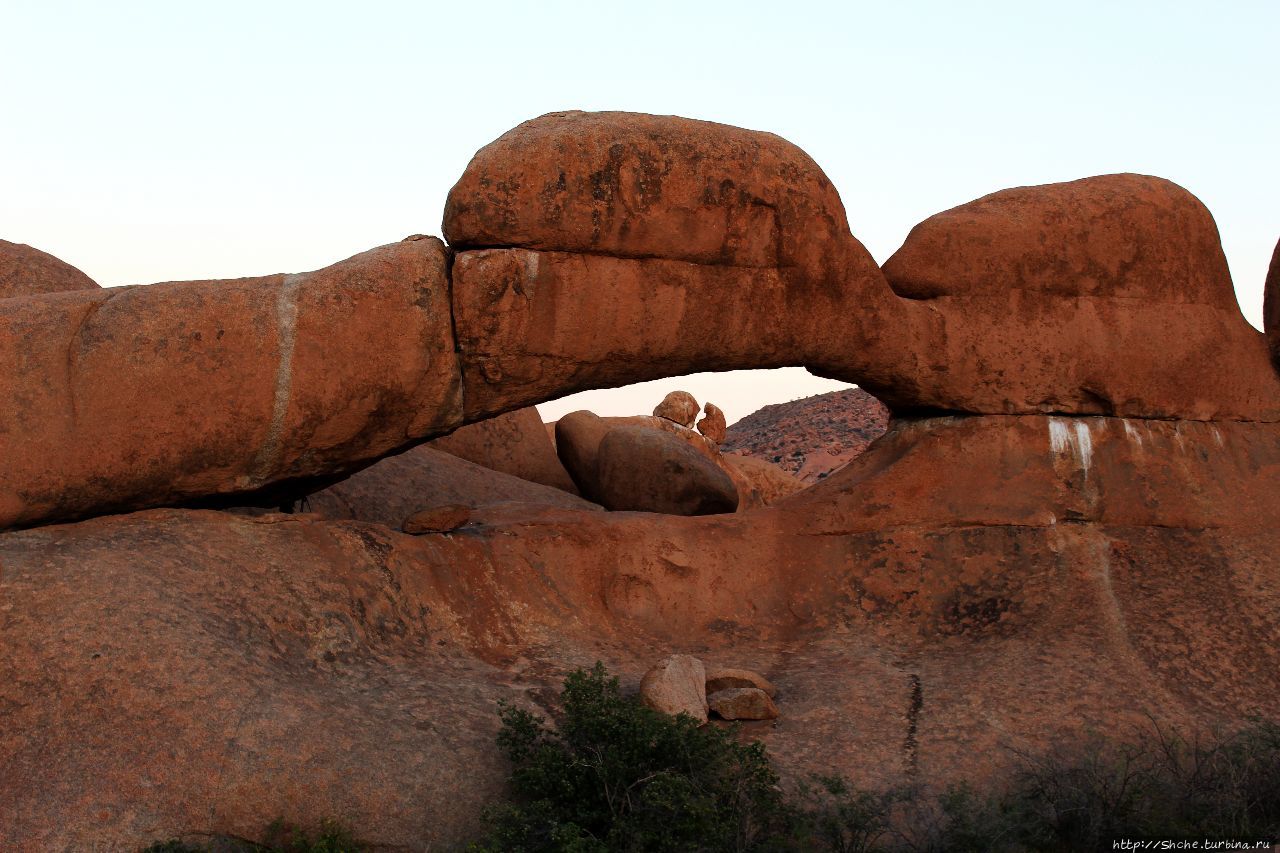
x,y
615,775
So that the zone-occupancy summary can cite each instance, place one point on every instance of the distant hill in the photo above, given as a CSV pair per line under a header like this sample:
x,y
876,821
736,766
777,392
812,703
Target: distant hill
x,y
813,436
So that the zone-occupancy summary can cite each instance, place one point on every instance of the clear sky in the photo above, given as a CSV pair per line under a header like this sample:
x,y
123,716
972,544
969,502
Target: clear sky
x,y
158,141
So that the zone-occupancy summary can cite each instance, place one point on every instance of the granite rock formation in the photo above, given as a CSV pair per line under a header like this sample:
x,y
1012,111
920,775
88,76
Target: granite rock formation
x,y
1110,295
1069,525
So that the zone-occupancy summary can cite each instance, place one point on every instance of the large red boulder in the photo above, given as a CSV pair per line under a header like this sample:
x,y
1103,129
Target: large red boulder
x,y
651,470
678,407
1107,295
25,271
146,396
578,438
632,185
577,441
1120,236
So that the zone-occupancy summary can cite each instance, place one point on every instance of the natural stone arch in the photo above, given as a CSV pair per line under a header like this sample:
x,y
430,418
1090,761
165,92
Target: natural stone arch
x,y
596,250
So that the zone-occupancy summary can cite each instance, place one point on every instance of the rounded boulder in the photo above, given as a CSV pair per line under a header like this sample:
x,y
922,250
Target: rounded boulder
x,y
648,470
678,406
26,271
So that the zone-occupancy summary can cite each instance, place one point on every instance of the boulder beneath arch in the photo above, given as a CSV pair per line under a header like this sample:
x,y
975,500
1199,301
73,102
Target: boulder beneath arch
x,y
650,470
516,443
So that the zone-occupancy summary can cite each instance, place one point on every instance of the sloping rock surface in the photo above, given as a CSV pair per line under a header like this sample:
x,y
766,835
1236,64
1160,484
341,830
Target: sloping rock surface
x,y
516,443
423,478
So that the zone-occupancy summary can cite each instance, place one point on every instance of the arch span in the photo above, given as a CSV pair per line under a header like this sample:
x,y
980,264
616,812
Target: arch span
x,y
595,250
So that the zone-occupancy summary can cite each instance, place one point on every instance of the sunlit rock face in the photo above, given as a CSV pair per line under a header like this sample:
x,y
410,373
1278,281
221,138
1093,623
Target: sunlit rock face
x,y
25,271
1070,523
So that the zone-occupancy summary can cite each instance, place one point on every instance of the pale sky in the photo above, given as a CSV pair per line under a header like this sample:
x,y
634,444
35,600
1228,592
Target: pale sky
x,y
157,141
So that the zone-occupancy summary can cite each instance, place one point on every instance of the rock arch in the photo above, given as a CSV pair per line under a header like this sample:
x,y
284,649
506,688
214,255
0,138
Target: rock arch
x,y
598,249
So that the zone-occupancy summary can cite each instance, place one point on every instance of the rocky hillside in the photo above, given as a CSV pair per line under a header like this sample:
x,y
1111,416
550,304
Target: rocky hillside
x,y
812,436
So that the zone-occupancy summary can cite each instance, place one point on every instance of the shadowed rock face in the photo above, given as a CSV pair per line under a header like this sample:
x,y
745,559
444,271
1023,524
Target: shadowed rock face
x,y
1271,307
972,584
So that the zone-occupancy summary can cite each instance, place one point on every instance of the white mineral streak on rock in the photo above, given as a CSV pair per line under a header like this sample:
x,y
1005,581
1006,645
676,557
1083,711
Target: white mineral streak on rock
x,y
1132,432
1066,437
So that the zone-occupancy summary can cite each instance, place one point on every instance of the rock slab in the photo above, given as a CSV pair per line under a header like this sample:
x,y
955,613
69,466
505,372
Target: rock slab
x,y
515,443
222,390
725,678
